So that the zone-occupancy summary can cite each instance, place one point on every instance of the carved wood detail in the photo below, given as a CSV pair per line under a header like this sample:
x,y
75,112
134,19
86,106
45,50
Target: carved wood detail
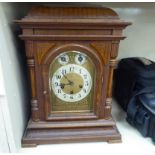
x,y
29,48
35,110
108,107
34,103
42,49
104,49
30,62
112,65
114,49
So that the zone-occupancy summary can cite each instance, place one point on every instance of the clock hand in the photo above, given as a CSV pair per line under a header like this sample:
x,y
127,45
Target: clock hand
x,y
62,85
80,86
66,78
70,82
71,92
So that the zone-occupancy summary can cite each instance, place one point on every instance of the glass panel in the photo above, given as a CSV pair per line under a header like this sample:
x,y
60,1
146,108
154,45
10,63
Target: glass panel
x,y
71,82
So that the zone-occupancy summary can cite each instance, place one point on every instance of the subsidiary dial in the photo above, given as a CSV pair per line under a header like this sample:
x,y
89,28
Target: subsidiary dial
x,y
80,59
63,59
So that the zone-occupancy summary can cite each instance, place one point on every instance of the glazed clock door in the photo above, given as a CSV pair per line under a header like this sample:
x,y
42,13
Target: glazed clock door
x,y
70,79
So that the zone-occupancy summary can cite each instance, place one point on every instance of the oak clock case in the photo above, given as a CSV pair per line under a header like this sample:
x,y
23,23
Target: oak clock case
x,y
71,53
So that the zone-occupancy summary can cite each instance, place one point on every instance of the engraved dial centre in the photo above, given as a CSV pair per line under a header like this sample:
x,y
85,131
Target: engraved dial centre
x,y
72,83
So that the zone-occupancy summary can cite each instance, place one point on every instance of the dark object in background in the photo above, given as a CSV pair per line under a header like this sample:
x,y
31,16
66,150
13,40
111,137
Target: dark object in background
x,y
135,91
132,75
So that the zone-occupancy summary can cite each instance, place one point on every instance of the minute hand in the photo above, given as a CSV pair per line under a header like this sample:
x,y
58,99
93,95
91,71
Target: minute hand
x,y
70,82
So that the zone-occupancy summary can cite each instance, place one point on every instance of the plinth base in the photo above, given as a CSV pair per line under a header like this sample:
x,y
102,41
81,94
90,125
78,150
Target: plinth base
x,y
47,133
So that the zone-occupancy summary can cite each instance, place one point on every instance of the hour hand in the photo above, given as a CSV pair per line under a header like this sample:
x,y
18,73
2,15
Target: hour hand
x,y
62,85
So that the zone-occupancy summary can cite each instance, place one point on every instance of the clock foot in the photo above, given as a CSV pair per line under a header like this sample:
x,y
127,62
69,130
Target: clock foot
x,y
114,141
29,145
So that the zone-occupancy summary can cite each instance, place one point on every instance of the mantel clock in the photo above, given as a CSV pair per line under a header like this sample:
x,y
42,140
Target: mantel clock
x,y
71,53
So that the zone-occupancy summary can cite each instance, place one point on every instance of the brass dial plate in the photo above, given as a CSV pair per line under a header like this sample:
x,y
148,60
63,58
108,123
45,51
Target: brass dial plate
x,y
71,83
68,86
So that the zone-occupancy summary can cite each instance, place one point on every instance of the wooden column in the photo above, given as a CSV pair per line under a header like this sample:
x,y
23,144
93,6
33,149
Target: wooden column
x,y
112,65
31,67
34,101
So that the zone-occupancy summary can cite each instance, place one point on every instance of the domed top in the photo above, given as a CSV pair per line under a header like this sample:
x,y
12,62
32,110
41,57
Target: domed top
x,y
71,13
69,16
